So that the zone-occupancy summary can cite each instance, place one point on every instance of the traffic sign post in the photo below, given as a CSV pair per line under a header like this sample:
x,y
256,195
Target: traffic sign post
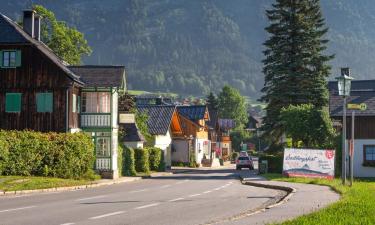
x,y
353,107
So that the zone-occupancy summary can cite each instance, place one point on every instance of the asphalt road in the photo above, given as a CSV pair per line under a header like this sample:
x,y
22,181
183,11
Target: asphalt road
x,y
196,197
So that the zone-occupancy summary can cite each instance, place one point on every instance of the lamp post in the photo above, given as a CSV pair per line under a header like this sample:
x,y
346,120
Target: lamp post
x,y
344,83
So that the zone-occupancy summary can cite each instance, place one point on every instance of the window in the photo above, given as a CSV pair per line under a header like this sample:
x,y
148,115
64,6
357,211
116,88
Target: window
x,y
96,102
13,102
74,103
44,102
103,146
10,58
369,153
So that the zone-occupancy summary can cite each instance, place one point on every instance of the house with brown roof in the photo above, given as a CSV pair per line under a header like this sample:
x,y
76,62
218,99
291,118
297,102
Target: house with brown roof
x,y
362,92
41,92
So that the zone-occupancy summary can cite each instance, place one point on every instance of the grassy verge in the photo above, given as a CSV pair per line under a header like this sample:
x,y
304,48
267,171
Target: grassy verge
x,y
18,183
357,205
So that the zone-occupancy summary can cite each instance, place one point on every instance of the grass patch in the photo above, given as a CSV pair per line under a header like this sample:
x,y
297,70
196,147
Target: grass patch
x,y
18,183
357,205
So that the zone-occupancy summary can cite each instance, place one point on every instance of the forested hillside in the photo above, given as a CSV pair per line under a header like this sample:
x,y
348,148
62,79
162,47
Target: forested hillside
x,y
192,47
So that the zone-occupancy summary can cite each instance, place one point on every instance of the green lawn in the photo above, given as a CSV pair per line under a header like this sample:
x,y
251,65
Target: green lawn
x,y
357,205
17,183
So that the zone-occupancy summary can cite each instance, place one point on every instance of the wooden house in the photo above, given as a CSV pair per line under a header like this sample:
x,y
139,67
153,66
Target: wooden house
x,y
362,91
224,126
39,91
163,123
193,120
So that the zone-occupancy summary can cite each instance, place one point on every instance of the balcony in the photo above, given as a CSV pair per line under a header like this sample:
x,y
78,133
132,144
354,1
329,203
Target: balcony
x,y
103,163
96,120
225,139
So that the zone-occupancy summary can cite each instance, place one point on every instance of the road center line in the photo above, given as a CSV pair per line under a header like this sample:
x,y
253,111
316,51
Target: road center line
x,y
206,192
194,195
176,199
216,189
15,209
94,197
107,215
165,186
139,191
67,224
147,206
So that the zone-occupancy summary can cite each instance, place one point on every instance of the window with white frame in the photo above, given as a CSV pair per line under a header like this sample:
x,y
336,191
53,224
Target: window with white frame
x,y
96,102
103,146
369,153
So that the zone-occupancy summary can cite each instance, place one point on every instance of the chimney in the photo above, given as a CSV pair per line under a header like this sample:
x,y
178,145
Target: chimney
x,y
345,71
37,20
28,21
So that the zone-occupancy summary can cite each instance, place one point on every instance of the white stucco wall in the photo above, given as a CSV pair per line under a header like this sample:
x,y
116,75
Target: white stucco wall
x,y
164,143
199,151
359,170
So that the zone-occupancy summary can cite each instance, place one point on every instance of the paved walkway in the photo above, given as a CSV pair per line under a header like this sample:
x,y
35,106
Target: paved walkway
x,y
306,199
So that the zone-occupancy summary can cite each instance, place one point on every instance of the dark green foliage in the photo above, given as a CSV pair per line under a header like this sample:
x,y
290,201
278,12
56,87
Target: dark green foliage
x,y
295,66
141,121
238,137
156,158
129,162
192,162
120,160
4,153
232,105
142,160
311,126
234,156
47,154
212,102
275,162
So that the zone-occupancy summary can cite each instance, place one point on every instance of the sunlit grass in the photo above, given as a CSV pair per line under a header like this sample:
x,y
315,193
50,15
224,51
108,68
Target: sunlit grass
x,y
356,206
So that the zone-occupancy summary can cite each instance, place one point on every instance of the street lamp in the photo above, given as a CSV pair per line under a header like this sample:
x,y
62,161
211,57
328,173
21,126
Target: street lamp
x,y
344,83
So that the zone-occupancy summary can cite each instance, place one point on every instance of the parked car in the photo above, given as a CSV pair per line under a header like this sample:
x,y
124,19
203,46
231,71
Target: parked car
x,y
244,162
244,153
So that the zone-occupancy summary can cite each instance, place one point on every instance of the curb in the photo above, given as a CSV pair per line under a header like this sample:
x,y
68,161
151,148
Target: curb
x,y
290,191
71,188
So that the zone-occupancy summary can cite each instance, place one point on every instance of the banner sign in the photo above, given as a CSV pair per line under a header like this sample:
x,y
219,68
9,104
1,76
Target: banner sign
x,y
309,163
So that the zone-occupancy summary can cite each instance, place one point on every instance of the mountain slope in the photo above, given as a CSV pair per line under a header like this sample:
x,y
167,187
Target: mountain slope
x,y
191,47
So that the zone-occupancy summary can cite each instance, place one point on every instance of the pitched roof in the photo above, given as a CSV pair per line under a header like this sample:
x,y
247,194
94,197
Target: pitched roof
x,y
101,76
132,133
226,124
193,112
159,117
362,91
12,33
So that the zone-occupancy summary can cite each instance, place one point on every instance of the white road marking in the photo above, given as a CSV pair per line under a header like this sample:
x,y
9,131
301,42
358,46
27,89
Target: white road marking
x,y
206,192
176,199
67,224
15,209
216,189
147,206
194,195
94,197
107,215
165,186
139,191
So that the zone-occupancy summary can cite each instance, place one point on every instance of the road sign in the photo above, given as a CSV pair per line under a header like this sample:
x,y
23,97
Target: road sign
x,y
361,106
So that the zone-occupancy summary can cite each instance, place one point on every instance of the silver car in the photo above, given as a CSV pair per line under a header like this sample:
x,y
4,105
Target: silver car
x,y
244,162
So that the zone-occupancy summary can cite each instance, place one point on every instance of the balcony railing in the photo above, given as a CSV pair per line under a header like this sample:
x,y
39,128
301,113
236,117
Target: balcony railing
x,y
103,163
96,120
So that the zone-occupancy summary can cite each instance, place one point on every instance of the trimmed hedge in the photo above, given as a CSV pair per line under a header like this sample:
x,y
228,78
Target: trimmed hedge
x,y
29,153
275,162
129,162
120,159
142,160
156,159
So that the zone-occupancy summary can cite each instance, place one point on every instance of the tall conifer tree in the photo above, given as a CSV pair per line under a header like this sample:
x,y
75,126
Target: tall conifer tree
x,y
295,65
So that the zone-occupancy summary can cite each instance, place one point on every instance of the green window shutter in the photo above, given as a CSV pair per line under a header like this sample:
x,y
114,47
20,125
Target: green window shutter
x,y
1,59
18,58
44,102
79,104
13,102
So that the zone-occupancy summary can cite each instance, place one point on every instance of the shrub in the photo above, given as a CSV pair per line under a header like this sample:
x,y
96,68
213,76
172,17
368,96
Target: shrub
x,y
4,153
129,162
156,157
234,156
275,162
47,154
192,162
142,160
120,159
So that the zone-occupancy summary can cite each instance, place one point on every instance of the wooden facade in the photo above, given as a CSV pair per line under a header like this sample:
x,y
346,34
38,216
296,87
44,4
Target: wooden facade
x,y
363,129
37,74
